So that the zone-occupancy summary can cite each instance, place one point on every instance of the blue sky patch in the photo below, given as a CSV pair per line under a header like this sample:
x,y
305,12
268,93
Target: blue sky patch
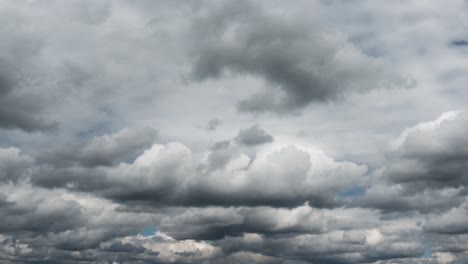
x,y
353,192
428,250
148,231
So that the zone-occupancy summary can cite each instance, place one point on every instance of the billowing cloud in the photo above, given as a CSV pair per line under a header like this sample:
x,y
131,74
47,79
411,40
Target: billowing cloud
x,y
425,168
172,174
433,153
300,60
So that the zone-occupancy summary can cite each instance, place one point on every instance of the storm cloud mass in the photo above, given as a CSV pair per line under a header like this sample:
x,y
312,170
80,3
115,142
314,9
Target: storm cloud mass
x,y
287,132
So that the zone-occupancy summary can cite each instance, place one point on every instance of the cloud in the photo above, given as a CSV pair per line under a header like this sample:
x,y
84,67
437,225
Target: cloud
x,y
221,154
424,170
213,124
300,60
290,176
40,224
20,108
215,214
14,165
92,182
253,135
112,149
433,153
453,221
172,174
459,43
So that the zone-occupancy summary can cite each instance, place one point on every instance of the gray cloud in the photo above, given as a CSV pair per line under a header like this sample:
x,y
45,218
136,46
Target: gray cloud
x,y
433,153
115,148
253,135
452,222
236,229
20,108
300,61
172,175
14,165
221,153
424,170
103,150
107,188
213,124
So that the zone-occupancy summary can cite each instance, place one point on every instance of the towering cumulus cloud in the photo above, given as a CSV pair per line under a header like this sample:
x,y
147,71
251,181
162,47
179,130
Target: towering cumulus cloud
x,y
167,132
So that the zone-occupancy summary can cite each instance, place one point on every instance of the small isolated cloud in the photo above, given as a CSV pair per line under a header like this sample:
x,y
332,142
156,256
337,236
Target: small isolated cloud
x,y
253,136
213,124
459,43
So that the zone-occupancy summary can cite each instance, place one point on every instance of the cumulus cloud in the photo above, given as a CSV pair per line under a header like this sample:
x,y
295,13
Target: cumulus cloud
x,y
172,174
433,153
424,170
208,207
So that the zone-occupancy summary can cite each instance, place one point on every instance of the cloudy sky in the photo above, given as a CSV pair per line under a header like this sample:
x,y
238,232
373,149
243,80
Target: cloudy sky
x,y
197,131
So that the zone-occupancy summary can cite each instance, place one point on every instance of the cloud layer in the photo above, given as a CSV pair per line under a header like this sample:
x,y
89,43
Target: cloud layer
x,y
233,132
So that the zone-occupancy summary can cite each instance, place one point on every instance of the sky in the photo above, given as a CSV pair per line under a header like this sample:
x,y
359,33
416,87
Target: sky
x,y
226,132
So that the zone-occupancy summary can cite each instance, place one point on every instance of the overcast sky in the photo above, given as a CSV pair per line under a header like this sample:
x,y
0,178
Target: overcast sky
x,y
225,132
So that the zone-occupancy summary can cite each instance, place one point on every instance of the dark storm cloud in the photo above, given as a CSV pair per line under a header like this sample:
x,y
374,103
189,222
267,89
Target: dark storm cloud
x,y
300,61
21,102
433,154
19,107
253,135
